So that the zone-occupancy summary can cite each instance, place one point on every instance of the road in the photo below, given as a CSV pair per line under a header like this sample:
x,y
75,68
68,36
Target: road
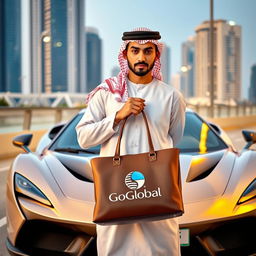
x,y
235,135
3,177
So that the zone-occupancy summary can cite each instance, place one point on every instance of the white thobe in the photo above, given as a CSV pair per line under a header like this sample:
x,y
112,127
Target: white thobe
x,y
165,111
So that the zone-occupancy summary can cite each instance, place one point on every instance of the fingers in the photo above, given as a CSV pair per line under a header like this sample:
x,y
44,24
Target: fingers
x,y
132,106
136,110
137,102
136,105
132,99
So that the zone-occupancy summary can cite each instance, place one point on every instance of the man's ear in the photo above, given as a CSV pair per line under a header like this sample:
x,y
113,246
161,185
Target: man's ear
x,y
125,54
157,55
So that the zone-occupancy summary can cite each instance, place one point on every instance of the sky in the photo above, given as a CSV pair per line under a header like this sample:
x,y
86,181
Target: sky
x,y
176,20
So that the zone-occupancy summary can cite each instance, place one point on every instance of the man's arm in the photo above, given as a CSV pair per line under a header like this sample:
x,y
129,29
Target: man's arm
x,y
177,121
95,128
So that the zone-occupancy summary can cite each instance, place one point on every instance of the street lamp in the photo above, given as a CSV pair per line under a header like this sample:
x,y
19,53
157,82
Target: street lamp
x,y
44,37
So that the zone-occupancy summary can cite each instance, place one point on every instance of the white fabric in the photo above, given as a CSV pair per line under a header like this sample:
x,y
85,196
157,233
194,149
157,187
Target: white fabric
x,y
165,110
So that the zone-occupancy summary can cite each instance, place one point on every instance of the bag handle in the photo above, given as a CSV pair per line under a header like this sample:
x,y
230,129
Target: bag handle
x,y
152,153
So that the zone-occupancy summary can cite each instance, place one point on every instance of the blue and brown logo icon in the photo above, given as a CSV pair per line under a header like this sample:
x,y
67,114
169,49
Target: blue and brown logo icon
x,y
134,180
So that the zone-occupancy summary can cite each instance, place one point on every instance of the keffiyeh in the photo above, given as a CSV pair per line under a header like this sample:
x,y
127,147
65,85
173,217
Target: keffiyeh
x,y
118,85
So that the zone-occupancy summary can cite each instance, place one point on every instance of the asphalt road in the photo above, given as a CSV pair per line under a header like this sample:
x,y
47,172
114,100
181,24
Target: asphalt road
x,y
3,176
235,135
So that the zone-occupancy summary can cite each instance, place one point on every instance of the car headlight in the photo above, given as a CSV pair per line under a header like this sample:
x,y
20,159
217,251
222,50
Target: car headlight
x,y
28,189
249,193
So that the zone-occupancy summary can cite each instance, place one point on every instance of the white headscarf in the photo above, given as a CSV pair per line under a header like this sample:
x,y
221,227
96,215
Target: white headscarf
x,y
118,85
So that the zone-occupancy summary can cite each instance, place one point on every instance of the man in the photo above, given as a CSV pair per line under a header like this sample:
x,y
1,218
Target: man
x,y
137,87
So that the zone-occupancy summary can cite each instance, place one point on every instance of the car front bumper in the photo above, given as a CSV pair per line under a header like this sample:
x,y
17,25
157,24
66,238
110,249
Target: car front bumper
x,y
222,237
42,238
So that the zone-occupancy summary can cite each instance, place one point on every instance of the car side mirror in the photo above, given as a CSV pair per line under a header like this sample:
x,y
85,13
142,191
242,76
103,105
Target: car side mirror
x,y
23,141
250,138
55,130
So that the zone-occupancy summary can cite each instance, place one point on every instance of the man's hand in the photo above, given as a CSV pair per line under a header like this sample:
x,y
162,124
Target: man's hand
x,y
132,106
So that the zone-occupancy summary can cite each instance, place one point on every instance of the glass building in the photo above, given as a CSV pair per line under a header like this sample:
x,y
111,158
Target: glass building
x,y
10,42
227,61
94,58
252,88
165,64
59,57
188,67
58,63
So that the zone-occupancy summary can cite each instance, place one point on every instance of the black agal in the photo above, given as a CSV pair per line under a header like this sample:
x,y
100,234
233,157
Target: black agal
x,y
141,35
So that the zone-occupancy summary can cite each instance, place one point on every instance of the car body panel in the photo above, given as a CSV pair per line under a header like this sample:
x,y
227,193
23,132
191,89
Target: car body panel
x,y
212,184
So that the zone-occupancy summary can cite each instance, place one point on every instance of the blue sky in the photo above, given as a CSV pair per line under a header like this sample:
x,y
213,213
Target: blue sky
x,y
176,21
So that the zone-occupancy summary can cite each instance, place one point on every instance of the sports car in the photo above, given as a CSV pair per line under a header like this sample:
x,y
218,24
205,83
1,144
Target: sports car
x,y
50,193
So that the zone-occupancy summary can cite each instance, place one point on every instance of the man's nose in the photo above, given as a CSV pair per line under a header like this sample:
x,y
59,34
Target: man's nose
x,y
141,56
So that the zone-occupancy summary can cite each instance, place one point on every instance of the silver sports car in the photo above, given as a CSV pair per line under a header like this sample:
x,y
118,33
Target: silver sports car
x,y
50,193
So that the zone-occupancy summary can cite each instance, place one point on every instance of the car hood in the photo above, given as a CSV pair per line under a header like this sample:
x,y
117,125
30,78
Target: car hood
x,y
206,176
203,176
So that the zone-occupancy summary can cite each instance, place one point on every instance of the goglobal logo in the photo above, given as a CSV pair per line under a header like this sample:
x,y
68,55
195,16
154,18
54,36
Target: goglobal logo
x,y
135,180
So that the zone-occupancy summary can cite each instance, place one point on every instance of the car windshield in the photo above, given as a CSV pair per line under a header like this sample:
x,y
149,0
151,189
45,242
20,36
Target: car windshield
x,y
198,138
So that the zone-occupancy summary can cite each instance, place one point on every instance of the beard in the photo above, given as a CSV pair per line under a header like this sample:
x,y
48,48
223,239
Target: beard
x,y
140,72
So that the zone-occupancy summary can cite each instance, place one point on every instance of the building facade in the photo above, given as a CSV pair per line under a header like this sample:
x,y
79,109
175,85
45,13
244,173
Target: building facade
x,y
115,71
176,81
227,61
165,64
252,88
58,49
10,46
188,68
94,58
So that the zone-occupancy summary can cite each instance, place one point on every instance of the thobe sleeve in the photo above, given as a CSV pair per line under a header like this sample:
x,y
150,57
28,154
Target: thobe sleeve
x,y
177,120
95,127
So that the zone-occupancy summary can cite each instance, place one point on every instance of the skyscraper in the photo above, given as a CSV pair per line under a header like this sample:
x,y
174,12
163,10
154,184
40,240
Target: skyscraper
x,y
10,46
94,58
165,64
176,81
58,45
227,60
252,89
2,76
115,71
188,67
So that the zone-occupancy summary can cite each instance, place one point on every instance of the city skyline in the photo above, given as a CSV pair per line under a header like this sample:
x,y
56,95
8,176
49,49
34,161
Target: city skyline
x,y
176,21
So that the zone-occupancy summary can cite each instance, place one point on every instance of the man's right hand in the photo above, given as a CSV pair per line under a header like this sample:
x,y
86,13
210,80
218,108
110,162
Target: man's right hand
x,y
132,106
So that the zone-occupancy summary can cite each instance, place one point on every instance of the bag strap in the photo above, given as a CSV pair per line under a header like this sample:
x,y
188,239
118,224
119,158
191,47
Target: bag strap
x,y
152,153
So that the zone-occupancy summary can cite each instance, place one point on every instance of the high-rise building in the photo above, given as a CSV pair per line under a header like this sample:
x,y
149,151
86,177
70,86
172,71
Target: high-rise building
x,y
94,58
2,75
115,71
227,60
58,46
176,81
252,89
188,67
165,64
10,46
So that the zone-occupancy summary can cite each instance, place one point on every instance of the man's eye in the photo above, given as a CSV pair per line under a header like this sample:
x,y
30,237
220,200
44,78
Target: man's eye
x,y
135,51
149,51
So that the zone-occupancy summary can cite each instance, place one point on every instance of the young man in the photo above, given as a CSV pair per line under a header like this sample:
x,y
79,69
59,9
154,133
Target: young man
x,y
137,87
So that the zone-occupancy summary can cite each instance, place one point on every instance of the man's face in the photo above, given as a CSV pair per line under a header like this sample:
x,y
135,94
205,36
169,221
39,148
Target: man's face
x,y
141,57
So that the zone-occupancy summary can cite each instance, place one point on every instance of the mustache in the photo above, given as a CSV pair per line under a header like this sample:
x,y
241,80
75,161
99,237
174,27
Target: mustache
x,y
141,63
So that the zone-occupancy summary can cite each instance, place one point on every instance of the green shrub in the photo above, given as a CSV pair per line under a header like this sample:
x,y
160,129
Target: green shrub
x,y
3,102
